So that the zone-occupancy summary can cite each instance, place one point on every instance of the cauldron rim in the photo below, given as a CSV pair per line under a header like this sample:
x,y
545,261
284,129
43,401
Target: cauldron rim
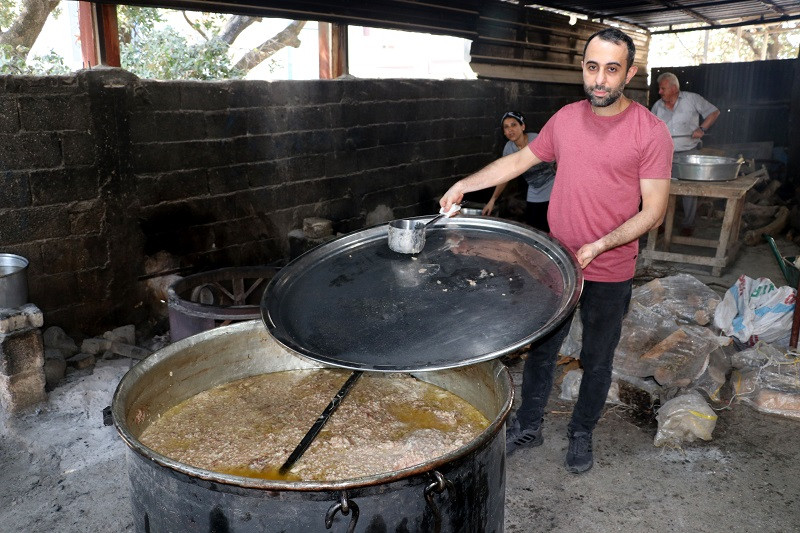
x,y
498,369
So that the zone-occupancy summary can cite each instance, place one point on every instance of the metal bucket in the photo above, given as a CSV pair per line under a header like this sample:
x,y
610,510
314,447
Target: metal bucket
x,y
13,281
207,300
461,491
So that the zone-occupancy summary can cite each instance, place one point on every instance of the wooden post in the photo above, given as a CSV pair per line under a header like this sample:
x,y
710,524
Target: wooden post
x,y
87,25
324,32
795,319
99,34
339,50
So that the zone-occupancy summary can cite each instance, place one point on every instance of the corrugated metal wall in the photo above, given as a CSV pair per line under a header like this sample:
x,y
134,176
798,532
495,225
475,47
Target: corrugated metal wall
x,y
754,99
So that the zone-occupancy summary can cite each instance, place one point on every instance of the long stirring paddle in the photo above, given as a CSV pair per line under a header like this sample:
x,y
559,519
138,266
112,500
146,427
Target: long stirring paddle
x,y
321,421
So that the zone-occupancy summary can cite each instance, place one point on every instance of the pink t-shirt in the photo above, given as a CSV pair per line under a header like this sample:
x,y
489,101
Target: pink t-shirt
x,y
600,161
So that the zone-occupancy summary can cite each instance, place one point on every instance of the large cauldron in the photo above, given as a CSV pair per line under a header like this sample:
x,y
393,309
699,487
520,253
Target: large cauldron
x,y
459,492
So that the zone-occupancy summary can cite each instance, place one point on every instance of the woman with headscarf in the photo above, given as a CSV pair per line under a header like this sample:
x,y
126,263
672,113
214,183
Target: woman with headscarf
x,y
539,177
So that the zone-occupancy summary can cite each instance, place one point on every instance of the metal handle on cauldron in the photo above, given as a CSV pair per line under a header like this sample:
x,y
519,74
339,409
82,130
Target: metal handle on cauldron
x,y
321,421
438,486
344,505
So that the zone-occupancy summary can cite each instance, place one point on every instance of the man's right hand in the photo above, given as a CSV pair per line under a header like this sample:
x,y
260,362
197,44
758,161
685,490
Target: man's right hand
x,y
454,195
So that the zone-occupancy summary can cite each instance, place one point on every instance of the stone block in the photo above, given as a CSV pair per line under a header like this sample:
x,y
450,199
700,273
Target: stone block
x,y
81,361
55,113
74,254
95,345
226,124
306,167
124,334
9,118
11,319
79,148
227,179
86,217
33,314
21,351
55,337
317,228
205,96
27,150
16,191
20,391
54,370
128,350
158,96
53,353
31,224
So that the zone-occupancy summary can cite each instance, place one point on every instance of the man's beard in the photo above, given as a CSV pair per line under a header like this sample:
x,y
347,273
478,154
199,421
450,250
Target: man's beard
x,y
612,95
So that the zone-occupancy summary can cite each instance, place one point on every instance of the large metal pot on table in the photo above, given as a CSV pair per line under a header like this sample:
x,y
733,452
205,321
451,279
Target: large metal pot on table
x,y
527,278
701,167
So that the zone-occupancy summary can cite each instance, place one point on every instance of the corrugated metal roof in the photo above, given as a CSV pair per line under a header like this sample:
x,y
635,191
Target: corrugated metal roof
x,y
666,16
459,17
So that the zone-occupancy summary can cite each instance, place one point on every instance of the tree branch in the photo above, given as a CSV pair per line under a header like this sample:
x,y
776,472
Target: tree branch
x,y
235,27
287,37
195,26
27,26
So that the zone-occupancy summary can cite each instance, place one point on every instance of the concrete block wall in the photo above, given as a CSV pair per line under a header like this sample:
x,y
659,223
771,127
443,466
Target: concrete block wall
x,y
22,380
102,169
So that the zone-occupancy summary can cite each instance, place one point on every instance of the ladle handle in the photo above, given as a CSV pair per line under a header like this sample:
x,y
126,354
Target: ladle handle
x,y
434,219
455,208
317,427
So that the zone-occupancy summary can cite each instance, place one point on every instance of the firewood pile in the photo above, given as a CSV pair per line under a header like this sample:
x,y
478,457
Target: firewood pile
x,y
771,207
670,347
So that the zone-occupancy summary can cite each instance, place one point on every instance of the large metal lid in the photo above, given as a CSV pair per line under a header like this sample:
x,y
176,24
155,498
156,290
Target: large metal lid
x,y
481,288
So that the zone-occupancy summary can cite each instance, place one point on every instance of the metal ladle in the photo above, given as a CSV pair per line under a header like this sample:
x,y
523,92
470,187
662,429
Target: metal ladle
x,y
407,236
319,423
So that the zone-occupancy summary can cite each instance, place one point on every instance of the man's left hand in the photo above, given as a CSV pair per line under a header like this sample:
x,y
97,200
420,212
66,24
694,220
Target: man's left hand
x,y
587,253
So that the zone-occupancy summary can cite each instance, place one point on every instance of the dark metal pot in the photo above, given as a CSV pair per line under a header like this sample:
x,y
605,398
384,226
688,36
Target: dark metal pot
x,y
457,492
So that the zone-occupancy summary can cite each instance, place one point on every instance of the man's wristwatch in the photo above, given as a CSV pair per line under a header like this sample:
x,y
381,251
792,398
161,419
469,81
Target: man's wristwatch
x,y
703,129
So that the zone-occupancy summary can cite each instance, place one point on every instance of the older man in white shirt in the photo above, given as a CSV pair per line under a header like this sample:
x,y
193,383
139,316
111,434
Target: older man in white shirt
x,y
688,117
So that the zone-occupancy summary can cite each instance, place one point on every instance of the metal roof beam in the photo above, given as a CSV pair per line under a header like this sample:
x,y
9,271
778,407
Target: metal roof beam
x,y
749,22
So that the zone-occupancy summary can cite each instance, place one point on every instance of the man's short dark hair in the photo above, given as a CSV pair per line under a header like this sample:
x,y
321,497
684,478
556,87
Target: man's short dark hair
x,y
613,35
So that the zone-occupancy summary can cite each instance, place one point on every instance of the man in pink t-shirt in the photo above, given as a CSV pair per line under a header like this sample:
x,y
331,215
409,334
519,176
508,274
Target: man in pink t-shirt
x,y
614,162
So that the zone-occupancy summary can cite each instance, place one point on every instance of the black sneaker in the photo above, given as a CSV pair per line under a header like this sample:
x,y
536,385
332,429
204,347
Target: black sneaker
x,y
579,455
517,438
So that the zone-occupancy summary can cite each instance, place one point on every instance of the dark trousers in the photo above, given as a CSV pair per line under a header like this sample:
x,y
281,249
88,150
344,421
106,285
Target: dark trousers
x,y
602,308
536,215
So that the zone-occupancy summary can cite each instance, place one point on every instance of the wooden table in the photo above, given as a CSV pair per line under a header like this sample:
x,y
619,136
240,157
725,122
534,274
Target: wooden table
x,y
726,246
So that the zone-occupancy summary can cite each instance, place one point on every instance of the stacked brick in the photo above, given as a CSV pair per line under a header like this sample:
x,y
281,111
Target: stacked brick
x,y
22,380
102,170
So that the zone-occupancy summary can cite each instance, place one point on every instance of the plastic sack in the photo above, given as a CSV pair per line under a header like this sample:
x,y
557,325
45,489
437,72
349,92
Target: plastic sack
x,y
768,380
754,310
571,386
684,418
682,297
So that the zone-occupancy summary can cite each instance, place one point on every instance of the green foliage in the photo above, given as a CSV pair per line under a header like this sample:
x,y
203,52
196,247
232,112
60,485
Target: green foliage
x,y
166,55
134,21
15,61
8,11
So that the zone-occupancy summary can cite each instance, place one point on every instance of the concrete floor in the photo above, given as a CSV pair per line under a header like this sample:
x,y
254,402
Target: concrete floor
x,y
62,469
745,479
